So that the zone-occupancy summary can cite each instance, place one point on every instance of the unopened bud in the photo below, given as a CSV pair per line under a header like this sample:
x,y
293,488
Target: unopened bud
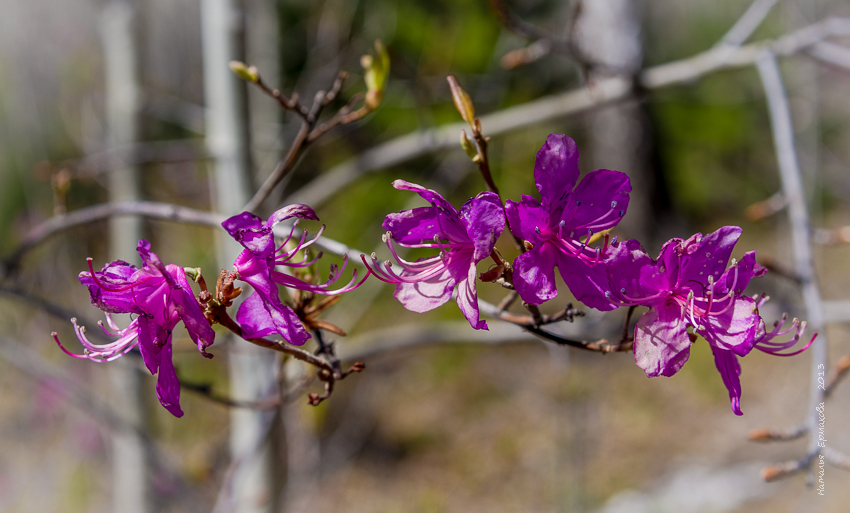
x,y
376,69
467,145
463,102
244,72
193,273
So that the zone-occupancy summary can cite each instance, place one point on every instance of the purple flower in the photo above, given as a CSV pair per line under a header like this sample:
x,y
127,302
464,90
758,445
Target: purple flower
x,y
161,297
690,285
555,225
263,313
464,238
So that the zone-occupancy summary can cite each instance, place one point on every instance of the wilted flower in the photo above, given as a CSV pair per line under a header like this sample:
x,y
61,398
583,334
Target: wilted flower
x,y
161,297
263,313
554,227
463,237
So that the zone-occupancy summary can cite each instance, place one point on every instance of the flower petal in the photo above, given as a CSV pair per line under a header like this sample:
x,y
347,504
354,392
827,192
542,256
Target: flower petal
x,y
255,272
534,274
727,364
629,268
747,269
556,168
425,296
467,298
295,210
661,343
250,231
526,217
446,215
588,284
604,199
167,385
735,329
151,353
484,218
414,226
255,320
704,256
190,312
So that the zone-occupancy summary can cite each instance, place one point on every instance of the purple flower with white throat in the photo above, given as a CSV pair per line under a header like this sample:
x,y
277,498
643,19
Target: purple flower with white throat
x,y
463,237
161,297
689,285
263,313
555,226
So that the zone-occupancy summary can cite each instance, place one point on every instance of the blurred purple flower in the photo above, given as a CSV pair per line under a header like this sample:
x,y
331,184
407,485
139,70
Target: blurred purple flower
x,y
555,226
161,297
263,313
463,237
689,285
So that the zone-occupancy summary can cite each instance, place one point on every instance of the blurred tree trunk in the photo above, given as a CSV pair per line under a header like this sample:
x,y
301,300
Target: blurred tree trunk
x,y
227,136
119,30
608,33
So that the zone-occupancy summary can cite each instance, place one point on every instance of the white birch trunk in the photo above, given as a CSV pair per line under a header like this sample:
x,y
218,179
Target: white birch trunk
x,y
609,33
251,368
130,465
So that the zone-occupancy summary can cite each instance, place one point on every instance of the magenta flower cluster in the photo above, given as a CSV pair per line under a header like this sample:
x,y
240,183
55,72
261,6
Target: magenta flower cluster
x,y
691,290
159,297
691,286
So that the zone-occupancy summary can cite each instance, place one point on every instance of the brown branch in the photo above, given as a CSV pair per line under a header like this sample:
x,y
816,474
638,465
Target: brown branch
x,y
308,132
543,42
841,369
789,468
280,346
778,435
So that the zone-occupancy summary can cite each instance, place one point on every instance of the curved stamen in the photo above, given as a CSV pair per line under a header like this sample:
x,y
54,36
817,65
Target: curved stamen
x,y
289,237
774,353
598,222
639,301
303,263
411,266
283,257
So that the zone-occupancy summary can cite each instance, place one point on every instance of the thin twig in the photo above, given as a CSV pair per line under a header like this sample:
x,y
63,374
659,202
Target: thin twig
x,y
792,189
542,41
778,435
307,134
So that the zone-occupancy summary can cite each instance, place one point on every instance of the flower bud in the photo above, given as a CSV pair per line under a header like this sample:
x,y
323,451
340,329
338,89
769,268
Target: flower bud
x,y
467,145
463,102
244,72
376,69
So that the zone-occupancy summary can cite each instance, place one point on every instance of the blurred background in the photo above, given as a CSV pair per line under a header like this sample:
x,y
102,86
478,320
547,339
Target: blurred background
x,y
93,90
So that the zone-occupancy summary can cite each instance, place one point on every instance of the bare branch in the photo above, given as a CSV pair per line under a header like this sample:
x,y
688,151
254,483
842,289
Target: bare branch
x,y
792,189
831,53
601,92
748,23
836,458
833,237
789,468
778,435
149,209
376,343
308,133
766,208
